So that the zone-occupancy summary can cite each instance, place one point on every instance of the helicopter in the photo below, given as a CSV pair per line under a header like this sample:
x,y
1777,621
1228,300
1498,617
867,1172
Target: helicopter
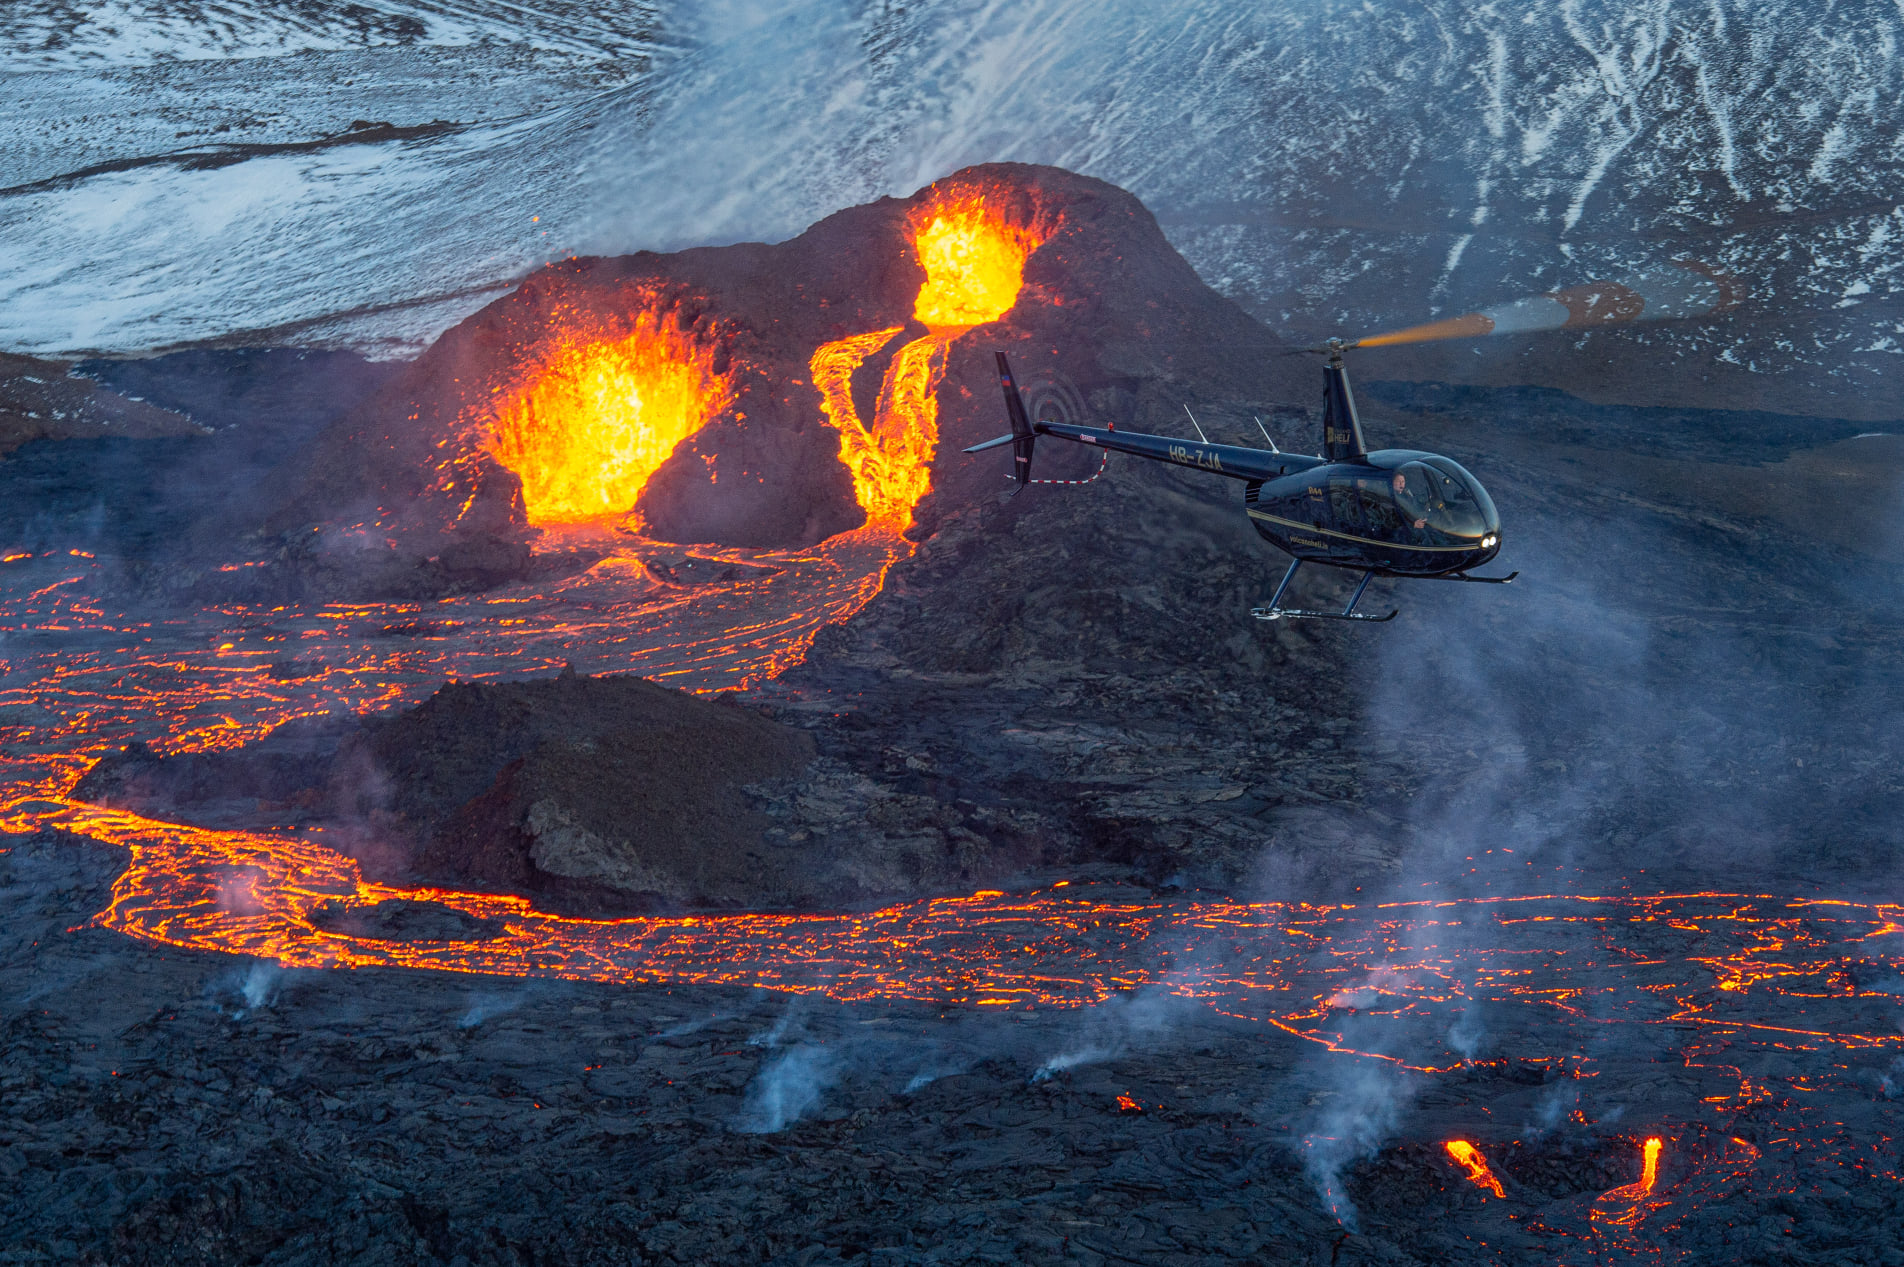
x,y
1393,512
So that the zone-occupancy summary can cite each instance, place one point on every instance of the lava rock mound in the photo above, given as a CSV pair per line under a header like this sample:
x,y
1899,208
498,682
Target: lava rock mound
x,y
585,794
1106,307
596,794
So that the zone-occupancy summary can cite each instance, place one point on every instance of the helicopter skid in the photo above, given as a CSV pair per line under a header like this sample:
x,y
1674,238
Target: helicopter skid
x,y
1291,613
1274,610
1475,580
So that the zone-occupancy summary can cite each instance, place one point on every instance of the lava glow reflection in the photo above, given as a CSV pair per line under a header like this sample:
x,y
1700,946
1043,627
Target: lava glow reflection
x,y
588,426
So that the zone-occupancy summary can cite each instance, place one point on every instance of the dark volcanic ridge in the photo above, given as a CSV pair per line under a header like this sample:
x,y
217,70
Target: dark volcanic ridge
x,y
589,794
46,400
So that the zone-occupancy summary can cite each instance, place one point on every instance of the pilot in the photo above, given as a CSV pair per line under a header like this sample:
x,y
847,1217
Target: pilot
x,y
1404,500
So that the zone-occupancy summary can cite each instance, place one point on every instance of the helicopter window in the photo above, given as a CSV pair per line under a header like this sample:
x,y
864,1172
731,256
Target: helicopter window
x,y
1469,512
1342,504
1442,497
1378,508
1415,494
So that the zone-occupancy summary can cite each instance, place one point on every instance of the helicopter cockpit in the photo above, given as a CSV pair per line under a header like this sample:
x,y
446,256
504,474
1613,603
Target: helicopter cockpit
x,y
1431,493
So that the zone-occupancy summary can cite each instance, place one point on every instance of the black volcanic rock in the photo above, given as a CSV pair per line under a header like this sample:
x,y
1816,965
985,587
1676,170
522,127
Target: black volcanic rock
x,y
596,792
595,795
45,400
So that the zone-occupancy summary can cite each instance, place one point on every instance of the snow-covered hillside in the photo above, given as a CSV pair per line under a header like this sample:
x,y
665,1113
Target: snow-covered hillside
x,y
67,35
1331,165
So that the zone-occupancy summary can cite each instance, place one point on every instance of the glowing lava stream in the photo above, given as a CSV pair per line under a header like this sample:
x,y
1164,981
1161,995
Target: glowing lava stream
x,y
974,261
1574,961
1469,1158
1627,1206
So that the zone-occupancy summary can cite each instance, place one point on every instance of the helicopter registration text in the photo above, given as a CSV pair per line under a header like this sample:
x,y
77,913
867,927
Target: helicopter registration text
x,y
1185,456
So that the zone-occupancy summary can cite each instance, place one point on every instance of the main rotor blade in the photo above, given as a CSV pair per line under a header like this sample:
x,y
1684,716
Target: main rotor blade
x,y
1696,290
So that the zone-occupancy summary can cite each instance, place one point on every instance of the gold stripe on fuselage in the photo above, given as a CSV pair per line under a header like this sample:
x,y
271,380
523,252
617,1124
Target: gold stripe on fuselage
x,y
1363,541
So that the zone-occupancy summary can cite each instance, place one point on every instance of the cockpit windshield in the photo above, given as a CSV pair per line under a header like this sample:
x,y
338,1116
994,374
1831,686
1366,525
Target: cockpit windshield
x,y
1432,492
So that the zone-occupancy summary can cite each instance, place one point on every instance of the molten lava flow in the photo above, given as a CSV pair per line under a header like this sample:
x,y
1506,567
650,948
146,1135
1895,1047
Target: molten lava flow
x,y
891,461
1627,1205
588,427
1469,1157
1649,1171
974,259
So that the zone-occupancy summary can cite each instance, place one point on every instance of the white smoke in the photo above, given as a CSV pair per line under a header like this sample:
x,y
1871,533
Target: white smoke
x,y
256,985
787,1088
1352,1123
1115,1026
484,1005
261,984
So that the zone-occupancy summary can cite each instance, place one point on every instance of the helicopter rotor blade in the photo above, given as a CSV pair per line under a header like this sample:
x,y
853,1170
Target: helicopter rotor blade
x,y
1325,348
1695,289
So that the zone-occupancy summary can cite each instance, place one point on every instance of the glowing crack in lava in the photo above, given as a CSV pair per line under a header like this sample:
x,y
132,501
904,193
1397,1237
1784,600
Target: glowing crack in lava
x,y
1469,1158
590,424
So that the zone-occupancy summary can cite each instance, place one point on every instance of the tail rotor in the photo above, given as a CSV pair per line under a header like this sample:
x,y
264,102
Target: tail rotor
x,y
1022,437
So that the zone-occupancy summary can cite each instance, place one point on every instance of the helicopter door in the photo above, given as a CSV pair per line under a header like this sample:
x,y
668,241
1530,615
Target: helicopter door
x,y
1379,516
1345,511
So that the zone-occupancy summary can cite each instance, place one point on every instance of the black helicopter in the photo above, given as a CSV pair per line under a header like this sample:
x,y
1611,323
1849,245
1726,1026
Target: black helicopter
x,y
1393,512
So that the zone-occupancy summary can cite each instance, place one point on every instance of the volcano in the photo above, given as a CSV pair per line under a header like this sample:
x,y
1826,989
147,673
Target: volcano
x,y
773,396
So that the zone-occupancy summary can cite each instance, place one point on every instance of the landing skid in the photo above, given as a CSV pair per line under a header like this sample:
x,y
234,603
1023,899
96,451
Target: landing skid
x,y
1275,611
1475,580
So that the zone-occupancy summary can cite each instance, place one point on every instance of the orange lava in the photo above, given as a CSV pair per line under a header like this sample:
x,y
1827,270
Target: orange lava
x,y
587,428
1469,1157
890,460
1127,1105
974,256
1628,1205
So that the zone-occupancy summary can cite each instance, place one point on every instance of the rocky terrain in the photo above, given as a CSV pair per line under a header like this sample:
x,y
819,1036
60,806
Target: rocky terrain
x,y
1069,682
1690,687
1687,688
169,1108
43,400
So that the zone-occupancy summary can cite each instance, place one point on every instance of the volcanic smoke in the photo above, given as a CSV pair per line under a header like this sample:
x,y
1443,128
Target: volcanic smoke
x,y
584,428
